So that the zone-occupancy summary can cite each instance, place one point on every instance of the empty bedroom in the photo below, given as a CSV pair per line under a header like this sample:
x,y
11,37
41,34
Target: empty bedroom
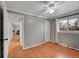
x,y
40,29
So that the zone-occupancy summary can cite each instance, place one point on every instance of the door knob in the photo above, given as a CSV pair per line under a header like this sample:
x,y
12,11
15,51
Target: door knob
x,y
6,39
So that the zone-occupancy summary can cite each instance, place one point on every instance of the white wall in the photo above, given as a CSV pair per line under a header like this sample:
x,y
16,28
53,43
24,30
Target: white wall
x,y
34,31
47,30
53,30
69,39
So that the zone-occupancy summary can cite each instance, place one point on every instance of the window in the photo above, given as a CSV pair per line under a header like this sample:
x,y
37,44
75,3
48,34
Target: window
x,y
73,24
63,25
69,25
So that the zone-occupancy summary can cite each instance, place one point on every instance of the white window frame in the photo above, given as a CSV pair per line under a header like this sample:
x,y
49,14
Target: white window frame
x,y
66,31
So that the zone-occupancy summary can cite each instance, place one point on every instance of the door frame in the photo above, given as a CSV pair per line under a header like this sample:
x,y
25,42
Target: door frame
x,y
22,30
5,32
21,20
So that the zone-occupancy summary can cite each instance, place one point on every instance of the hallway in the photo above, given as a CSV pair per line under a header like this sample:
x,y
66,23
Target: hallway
x,y
47,50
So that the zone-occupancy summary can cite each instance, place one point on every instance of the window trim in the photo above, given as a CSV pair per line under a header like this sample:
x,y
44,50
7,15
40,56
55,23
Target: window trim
x,y
72,32
65,31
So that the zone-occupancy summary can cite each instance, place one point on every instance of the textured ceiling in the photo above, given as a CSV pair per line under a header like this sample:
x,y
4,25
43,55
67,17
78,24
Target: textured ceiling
x,y
38,7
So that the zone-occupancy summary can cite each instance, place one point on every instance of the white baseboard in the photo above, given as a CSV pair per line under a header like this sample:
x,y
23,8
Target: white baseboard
x,y
52,41
67,46
62,44
34,45
73,48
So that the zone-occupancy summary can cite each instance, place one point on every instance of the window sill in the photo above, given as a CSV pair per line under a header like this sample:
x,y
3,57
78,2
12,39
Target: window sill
x,y
72,32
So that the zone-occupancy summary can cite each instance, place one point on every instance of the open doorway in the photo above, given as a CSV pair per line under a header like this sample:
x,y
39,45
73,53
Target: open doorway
x,y
17,24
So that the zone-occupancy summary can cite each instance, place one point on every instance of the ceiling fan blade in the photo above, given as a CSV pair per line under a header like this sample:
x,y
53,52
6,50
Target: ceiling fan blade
x,y
55,4
45,2
41,11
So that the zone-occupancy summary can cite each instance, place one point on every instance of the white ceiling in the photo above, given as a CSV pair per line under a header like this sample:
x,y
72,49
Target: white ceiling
x,y
37,7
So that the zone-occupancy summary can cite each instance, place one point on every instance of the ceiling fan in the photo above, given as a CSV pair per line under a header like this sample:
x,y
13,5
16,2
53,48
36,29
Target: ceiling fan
x,y
50,6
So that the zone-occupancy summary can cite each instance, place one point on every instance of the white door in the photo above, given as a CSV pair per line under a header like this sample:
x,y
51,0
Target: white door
x,y
6,30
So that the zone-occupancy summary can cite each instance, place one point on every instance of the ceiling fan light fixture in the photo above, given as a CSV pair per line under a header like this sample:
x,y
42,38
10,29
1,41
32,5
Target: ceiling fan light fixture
x,y
51,11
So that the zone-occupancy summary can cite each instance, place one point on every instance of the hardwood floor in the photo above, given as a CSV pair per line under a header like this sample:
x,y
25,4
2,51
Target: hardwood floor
x,y
47,50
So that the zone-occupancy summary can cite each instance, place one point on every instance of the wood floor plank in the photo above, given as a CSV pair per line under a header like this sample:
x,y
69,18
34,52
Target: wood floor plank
x,y
47,50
